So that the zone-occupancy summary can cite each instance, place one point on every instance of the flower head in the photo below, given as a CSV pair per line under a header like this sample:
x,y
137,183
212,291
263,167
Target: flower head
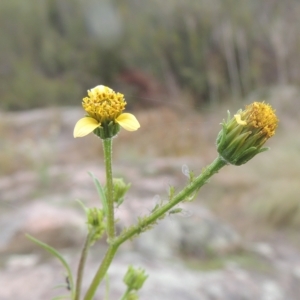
x,y
243,136
104,108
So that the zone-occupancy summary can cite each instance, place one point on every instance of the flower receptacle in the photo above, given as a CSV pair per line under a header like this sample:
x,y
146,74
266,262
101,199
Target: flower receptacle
x,y
107,130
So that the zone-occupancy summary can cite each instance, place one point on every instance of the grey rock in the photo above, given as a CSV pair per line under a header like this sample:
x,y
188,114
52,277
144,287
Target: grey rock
x,y
51,224
198,234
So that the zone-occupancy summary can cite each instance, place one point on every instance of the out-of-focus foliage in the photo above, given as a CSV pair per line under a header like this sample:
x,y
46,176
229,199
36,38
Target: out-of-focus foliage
x,y
53,50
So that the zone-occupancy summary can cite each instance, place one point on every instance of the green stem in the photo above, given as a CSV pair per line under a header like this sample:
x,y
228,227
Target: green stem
x,y
101,272
107,146
124,297
195,185
107,287
81,265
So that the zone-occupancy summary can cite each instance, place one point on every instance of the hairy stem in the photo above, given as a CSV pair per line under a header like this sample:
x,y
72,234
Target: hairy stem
x,y
107,146
195,185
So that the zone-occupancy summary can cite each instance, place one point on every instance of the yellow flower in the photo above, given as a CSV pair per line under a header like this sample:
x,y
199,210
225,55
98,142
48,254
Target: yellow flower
x,y
243,136
260,117
104,111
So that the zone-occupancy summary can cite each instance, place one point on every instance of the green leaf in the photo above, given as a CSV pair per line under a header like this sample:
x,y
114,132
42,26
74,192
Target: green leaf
x,y
57,255
101,192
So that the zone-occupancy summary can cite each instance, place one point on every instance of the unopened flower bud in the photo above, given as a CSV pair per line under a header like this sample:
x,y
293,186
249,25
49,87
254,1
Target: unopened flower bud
x,y
120,189
95,221
135,278
243,136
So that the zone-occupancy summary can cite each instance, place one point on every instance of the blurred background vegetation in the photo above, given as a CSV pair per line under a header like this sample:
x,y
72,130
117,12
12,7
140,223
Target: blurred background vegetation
x,y
52,51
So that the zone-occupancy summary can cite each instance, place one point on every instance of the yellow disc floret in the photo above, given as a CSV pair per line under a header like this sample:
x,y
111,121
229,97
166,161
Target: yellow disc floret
x,y
261,117
103,104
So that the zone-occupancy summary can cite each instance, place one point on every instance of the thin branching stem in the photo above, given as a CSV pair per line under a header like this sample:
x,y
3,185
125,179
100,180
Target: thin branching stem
x,y
81,265
194,186
191,188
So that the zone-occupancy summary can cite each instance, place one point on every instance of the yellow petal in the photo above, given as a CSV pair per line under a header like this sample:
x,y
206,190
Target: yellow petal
x,y
85,126
128,122
239,120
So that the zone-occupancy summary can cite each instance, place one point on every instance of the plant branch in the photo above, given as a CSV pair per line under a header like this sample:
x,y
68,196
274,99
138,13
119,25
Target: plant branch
x,y
81,265
195,185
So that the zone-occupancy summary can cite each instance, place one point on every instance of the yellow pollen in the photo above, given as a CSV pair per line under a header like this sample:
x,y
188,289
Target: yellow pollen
x,y
261,116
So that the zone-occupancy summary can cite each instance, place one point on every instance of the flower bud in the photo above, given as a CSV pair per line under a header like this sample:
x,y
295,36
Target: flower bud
x,y
120,189
95,222
243,136
135,278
